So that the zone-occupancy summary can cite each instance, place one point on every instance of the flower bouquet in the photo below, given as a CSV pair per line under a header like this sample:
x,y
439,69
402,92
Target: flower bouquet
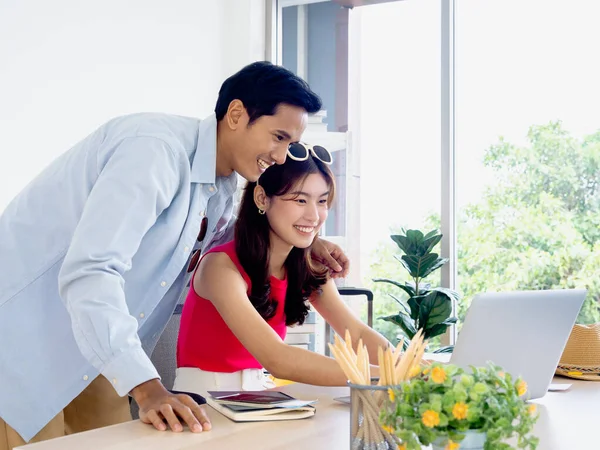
x,y
450,408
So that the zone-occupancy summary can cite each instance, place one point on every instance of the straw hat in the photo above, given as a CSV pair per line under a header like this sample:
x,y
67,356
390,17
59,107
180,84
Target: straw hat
x,y
581,356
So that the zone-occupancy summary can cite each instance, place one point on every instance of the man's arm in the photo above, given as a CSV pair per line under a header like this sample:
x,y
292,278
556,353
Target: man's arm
x,y
322,251
135,186
137,183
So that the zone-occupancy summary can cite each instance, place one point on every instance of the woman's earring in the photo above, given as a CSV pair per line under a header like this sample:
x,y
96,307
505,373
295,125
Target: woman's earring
x,y
261,211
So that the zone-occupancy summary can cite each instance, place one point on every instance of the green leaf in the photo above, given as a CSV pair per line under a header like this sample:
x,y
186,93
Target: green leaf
x,y
435,330
419,266
412,242
445,349
435,308
404,263
430,242
430,234
415,236
404,322
439,262
403,243
401,303
406,288
450,321
415,305
443,420
449,292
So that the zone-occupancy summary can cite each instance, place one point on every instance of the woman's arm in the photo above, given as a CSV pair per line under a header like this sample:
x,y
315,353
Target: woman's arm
x,y
333,309
219,281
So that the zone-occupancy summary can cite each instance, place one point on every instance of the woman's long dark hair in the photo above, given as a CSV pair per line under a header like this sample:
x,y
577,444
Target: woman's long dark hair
x,y
252,242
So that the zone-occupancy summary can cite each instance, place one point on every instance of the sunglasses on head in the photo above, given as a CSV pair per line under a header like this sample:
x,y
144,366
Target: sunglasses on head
x,y
299,151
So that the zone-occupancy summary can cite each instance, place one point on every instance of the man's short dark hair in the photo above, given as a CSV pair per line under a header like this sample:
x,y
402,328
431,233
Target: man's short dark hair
x,y
262,87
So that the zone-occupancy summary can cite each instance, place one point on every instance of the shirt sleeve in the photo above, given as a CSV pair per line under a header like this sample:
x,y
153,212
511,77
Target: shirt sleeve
x,y
138,181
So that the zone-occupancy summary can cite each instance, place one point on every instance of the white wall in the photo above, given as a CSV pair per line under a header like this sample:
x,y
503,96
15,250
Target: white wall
x,y
244,32
66,66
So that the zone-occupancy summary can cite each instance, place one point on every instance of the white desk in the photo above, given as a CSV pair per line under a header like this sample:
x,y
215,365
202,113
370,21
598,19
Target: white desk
x,y
569,420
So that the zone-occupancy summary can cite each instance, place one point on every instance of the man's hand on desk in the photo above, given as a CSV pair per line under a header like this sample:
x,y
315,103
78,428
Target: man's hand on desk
x,y
157,403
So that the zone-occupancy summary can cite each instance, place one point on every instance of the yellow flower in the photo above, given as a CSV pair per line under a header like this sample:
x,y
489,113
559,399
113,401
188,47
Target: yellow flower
x,y
414,371
521,388
391,395
430,418
460,411
438,375
388,429
426,371
532,409
452,445
401,447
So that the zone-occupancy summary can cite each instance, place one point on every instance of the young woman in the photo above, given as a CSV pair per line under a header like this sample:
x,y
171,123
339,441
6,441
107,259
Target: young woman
x,y
246,292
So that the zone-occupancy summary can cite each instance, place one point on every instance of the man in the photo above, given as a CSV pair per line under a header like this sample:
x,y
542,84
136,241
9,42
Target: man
x,y
96,250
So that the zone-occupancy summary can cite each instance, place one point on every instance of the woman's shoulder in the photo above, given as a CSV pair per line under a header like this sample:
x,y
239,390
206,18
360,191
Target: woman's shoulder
x,y
215,272
222,257
227,247
227,251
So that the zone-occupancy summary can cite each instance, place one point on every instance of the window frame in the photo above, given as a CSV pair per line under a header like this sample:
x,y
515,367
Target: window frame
x,y
447,111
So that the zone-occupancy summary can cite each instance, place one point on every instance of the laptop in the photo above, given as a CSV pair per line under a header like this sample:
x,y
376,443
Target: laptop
x,y
524,332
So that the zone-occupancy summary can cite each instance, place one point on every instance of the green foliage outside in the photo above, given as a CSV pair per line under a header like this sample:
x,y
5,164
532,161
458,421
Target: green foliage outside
x,y
536,227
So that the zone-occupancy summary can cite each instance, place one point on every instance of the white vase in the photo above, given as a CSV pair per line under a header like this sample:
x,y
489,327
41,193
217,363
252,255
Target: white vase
x,y
474,440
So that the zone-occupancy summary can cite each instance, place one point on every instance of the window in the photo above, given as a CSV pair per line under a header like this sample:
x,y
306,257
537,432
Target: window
x,y
506,92
528,147
400,136
314,45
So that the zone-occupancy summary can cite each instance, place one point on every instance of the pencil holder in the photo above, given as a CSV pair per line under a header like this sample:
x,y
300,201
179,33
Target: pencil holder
x,y
366,433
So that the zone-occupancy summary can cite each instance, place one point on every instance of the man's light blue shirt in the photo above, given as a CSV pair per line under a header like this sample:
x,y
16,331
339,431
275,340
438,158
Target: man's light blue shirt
x,y
93,258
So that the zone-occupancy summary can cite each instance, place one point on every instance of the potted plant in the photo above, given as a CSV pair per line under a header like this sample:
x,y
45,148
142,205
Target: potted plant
x,y
449,408
425,308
